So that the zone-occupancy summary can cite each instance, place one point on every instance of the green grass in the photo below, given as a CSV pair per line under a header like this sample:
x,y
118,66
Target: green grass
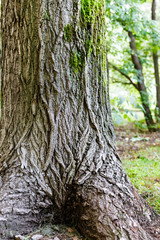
x,y
143,168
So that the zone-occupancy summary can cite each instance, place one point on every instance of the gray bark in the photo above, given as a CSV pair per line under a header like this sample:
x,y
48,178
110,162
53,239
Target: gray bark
x,y
57,141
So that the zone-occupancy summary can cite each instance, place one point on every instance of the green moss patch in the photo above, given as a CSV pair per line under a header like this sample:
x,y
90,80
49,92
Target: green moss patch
x,y
68,32
76,62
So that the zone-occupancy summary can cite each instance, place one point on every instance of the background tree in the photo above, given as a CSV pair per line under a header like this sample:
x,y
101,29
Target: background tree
x,y
127,16
58,158
156,66
140,85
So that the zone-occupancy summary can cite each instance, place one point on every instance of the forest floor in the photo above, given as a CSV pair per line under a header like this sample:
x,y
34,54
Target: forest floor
x,y
136,149
140,155
129,139
52,232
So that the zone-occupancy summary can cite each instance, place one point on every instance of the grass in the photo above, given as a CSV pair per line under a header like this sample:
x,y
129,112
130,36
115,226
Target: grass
x,y
143,168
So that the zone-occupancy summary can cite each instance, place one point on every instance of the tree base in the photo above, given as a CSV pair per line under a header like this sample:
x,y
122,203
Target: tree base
x,y
23,205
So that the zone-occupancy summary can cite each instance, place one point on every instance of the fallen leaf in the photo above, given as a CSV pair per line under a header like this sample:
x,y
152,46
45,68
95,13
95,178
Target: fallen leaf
x,y
70,230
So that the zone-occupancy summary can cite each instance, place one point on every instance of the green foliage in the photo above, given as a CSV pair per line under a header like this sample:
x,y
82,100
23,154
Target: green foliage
x,y
140,125
123,16
144,172
125,108
119,113
129,15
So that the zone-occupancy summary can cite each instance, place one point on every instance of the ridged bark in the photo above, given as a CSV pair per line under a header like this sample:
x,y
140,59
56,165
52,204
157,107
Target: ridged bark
x,y
57,140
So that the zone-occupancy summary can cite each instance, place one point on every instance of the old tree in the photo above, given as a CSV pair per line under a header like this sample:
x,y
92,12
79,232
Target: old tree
x,y
58,158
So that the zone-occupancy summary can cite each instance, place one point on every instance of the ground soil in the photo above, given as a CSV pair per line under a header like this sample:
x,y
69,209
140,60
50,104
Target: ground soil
x,y
130,139
52,232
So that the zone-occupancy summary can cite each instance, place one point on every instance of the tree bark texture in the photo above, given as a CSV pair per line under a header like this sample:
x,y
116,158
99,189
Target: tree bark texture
x,y
156,67
141,84
57,141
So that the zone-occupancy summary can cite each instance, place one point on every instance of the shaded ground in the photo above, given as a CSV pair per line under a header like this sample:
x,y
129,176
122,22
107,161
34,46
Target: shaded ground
x,y
129,139
52,232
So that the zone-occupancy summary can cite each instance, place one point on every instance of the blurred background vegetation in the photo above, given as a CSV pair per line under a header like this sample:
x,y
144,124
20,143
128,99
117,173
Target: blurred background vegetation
x,y
135,17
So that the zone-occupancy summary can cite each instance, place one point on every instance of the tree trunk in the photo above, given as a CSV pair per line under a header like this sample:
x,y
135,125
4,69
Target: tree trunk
x,y
141,84
156,68
57,141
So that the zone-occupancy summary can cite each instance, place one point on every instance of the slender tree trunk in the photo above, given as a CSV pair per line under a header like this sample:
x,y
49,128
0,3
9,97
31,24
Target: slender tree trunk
x,y
141,84
57,141
156,68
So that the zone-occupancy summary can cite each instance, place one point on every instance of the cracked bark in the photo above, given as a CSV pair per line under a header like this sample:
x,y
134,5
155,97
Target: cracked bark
x,y
57,139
